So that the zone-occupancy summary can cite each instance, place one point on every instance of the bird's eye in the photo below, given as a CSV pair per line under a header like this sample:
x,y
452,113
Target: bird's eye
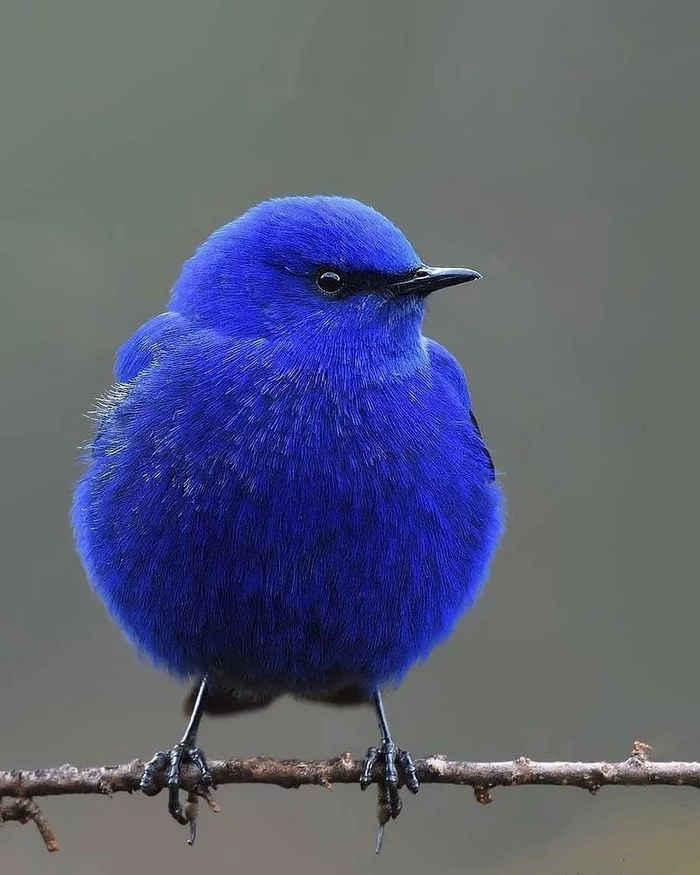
x,y
329,281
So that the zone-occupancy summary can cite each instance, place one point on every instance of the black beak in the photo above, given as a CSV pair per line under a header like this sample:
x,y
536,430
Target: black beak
x,y
425,280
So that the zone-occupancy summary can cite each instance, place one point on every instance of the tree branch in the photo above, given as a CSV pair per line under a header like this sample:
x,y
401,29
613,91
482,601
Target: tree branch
x,y
637,770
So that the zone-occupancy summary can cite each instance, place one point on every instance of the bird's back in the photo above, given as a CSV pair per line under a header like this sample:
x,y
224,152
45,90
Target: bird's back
x,y
241,513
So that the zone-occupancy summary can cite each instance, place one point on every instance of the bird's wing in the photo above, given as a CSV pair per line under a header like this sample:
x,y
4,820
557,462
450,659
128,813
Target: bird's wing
x,y
135,358
484,448
449,368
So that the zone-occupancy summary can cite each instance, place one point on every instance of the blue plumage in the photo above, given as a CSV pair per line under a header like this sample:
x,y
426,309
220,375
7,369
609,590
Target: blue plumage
x,y
287,487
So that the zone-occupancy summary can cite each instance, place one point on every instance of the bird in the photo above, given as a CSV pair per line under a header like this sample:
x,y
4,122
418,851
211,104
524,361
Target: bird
x,y
286,491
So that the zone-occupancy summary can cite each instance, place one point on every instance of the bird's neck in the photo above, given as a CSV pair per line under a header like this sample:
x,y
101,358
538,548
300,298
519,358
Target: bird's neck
x,y
368,353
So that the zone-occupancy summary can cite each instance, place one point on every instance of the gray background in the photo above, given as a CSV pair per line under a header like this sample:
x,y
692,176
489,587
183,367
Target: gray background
x,y
552,145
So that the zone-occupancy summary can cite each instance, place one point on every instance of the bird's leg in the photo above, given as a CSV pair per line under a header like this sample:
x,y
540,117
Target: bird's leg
x,y
398,766
185,751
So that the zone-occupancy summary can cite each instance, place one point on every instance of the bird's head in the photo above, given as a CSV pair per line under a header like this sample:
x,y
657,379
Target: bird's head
x,y
307,269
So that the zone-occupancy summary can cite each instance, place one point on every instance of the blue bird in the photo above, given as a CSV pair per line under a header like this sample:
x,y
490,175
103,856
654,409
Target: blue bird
x,y
287,491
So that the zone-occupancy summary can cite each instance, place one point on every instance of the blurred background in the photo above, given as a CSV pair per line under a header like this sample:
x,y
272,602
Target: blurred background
x,y
551,145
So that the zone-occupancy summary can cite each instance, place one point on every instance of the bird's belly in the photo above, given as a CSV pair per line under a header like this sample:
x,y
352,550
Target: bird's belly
x,y
315,573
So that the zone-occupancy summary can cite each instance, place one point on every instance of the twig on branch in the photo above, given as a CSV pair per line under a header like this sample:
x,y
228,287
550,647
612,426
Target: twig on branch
x,y
637,770
25,810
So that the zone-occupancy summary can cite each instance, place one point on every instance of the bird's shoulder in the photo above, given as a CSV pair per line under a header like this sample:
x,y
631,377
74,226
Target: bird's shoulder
x,y
451,376
149,344
448,372
136,358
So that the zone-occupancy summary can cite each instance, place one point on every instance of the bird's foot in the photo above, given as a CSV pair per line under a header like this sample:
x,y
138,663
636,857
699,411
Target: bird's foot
x,y
171,762
398,769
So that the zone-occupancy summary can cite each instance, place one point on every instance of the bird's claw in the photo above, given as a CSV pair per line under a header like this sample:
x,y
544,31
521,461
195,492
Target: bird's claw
x,y
409,770
398,769
171,762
